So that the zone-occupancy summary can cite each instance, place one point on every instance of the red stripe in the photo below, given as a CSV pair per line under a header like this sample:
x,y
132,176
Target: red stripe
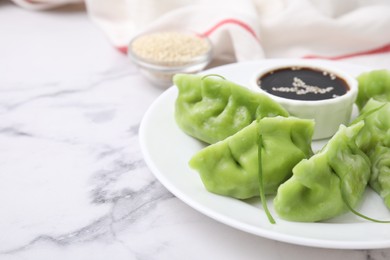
x,y
231,21
122,49
382,49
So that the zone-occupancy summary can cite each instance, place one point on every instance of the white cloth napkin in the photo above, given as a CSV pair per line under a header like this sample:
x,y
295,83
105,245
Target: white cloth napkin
x,y
355,31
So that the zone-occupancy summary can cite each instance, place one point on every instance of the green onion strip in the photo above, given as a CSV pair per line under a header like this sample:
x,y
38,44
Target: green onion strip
x,y
213,75
365,115
344,197
261,184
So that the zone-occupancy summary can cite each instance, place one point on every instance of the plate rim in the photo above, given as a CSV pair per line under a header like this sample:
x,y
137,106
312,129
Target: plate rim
x,y
286,238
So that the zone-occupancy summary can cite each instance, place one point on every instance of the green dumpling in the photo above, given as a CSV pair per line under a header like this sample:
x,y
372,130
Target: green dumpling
x,y
211,109
380,172
376,117
230,167
314,192
374,84
374,140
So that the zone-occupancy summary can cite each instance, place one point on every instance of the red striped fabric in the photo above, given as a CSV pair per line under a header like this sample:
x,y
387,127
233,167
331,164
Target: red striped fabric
x,y
379,50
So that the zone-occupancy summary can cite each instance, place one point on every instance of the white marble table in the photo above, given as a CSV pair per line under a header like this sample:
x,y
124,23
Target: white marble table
x,y
73,183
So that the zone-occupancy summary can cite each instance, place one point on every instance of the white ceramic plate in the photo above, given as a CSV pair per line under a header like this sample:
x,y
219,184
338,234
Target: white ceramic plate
x,y
167,151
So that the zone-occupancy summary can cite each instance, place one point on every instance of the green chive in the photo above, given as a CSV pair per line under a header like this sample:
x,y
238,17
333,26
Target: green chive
x,y
366,114
261,184
212,75
344,197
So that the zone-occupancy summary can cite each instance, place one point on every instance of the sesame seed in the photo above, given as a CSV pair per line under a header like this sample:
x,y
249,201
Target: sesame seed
x,y
301,88
170,48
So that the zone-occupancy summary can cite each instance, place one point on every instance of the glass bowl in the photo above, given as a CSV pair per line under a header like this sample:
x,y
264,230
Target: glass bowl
x,y
161,55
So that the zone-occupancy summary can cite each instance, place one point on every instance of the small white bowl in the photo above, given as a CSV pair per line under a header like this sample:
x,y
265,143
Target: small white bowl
x,y
161,71
328,114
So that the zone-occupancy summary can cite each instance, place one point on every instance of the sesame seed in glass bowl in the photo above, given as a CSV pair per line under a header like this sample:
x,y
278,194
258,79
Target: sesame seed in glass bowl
x,y
161,55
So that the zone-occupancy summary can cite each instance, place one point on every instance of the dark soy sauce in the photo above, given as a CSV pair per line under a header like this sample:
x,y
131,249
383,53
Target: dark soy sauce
x,y
303,83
